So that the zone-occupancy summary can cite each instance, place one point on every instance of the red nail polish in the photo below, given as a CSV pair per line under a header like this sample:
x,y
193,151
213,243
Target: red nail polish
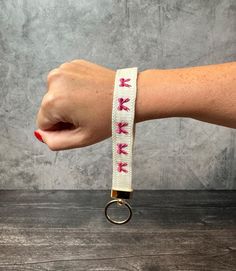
x,y
38,136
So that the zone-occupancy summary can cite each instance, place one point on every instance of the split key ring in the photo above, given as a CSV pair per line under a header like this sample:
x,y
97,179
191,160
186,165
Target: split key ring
x,y
119,202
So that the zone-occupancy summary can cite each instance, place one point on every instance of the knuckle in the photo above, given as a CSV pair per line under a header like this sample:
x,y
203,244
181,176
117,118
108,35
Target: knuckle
x,y
78,61
64,66
49,101
52,74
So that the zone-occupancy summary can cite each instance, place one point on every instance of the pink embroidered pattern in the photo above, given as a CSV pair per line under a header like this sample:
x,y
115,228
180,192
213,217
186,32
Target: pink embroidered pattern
x,y
121,104
120,128
120,148
123,82
121,166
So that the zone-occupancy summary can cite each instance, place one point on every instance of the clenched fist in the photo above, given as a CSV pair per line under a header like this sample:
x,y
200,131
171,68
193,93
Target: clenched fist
x,y
76,110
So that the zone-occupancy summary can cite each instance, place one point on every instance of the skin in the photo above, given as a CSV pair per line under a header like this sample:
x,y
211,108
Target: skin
x,y
76,110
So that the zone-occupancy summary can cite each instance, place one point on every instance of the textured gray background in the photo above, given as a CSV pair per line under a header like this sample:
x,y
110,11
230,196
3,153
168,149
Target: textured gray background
x,y
36,36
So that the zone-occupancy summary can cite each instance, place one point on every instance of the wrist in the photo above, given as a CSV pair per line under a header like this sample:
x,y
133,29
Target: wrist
x,y
142,110
158,96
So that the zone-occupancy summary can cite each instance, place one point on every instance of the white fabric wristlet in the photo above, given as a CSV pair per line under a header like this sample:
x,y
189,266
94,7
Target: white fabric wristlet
x,y
123,132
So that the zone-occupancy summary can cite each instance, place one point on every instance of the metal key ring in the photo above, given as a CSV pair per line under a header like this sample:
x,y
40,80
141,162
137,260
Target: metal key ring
x,y
119,202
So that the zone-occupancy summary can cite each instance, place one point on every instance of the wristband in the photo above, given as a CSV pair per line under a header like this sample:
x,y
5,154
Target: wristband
x,y
123,132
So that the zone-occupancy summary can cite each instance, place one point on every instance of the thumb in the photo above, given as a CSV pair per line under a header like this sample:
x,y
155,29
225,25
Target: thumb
x,y
61,139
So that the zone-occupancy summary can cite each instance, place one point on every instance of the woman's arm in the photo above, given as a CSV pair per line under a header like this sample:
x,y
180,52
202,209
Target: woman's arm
x,y
76,110
206,93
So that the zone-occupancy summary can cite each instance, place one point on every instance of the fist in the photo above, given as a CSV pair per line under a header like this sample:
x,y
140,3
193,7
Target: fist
x,y
76,110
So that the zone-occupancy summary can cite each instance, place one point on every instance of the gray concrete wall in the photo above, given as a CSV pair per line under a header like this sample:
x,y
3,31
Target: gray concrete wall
x,y
36,36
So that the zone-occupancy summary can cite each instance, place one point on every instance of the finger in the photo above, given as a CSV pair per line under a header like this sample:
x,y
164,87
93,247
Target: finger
x,y
51,75
50,111
43,122
63,139
69,66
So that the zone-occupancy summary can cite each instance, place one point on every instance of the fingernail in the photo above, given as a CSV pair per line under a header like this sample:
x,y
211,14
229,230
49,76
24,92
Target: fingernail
x,y
38,136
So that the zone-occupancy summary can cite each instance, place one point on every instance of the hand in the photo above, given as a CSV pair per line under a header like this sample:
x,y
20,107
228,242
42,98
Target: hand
x,y
76,110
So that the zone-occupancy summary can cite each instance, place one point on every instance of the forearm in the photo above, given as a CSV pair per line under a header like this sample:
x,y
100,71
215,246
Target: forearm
x,y
206,93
